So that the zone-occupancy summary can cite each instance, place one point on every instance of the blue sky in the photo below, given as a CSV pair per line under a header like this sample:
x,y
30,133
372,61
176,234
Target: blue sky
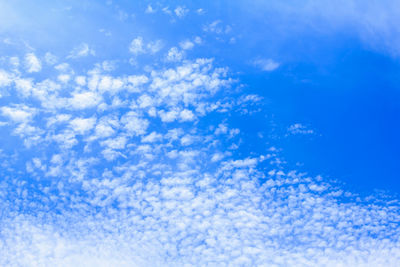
x,y
172,133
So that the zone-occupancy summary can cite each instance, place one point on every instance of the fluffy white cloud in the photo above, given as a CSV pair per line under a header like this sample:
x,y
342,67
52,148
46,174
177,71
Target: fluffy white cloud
x,y
117,186
174,54
134,124
84,100
19,114
82,125
137,47
32,63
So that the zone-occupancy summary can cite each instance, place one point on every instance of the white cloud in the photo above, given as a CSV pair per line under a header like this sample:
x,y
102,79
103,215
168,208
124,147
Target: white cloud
x,y
14,61
154,47
64,78
169,116
50,58
186,45
266,64
32,63
149,9
84,100
174,54
116,143
137,47
133,124
198,40
187,115
217,27
181,11
173,195
106,127
82,125
200,11
81,50
152,137
5,78
299,128
19,114
166,10
80,80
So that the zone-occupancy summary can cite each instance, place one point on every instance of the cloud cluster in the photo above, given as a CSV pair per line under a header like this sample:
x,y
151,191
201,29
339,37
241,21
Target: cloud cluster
x,y
139,170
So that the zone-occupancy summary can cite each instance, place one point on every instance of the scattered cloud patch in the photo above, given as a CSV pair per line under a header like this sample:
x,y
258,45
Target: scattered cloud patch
x,y
50,58
186,45
32,63
266,64
181,11
137,46
175,55
81,50
149,9
217,27
299,128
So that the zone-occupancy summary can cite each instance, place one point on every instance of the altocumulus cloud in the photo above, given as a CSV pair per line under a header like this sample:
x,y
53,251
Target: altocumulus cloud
x,y
105,190
128,169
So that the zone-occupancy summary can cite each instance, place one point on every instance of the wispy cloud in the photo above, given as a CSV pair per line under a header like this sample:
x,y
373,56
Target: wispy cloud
x,y
266,64
81,50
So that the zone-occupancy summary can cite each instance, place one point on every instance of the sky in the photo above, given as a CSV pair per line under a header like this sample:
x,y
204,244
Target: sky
x,y
199,133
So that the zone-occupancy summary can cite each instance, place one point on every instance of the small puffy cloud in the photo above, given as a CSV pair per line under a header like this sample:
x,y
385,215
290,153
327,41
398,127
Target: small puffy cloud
x,y
299,128
198,40
137,47
133,124
82,125
166,10
168,116
81,50
80,80
32,63
174,55
64,78
115,143
60,118
19,114
50,58
84,100
108,65
64,68
151,138
5,78
154,47
186,45
266,64
104,129
181,11
187,115
217,27
14,61
149,10
200,11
